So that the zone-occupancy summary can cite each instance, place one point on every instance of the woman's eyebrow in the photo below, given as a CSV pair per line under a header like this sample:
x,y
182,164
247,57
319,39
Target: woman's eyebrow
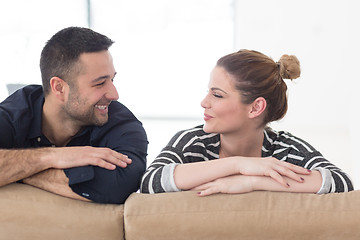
x,y
218,89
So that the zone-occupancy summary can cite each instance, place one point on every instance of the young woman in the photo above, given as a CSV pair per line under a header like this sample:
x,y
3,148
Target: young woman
x,y
235,151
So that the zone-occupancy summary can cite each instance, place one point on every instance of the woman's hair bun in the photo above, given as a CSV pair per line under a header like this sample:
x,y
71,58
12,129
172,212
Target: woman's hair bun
x,y
289,67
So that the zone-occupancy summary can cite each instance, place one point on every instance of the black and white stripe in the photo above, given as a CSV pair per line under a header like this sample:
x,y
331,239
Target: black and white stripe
x,y
194,145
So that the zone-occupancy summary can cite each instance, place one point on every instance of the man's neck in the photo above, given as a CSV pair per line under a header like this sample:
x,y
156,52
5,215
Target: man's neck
x,y
55,127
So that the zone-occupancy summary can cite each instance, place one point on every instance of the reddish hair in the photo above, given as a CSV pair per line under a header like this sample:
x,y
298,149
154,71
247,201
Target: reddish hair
x,y
257,75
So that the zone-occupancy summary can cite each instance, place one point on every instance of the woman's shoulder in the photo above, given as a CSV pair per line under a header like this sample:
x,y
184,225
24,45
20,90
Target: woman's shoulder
x,y
286,139
189,136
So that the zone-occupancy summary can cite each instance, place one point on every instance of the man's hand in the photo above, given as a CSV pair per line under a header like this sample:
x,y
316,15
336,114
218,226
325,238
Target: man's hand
x,y
68,157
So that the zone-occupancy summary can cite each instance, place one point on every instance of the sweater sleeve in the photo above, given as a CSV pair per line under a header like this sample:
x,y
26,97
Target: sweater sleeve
x,y
334,179
159,176
286,147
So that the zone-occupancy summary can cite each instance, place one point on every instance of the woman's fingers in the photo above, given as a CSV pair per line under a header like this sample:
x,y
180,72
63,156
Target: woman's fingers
x,y
208,191
284,171
292,171
277,177
295,168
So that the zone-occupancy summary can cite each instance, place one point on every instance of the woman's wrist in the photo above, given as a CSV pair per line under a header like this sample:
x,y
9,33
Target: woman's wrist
x,y
236,165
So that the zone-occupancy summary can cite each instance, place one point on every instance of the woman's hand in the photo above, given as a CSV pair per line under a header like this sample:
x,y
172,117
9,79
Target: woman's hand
x,y
271,167
230,184
244,184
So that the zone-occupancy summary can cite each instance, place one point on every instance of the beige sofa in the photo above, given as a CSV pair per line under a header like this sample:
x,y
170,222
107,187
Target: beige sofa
x,y
30,213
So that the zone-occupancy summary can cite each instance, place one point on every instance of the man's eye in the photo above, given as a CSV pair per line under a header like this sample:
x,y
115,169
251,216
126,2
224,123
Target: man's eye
x,y
100,84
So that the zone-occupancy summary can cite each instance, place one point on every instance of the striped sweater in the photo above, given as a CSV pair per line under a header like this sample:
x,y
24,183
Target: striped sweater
x,y
194,145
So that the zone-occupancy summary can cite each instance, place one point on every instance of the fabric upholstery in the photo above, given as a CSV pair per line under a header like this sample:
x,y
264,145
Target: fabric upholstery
x,y
256,215
30,213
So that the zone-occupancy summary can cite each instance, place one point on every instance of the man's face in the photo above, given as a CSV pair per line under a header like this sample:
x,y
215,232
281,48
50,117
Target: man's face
x,y
93,90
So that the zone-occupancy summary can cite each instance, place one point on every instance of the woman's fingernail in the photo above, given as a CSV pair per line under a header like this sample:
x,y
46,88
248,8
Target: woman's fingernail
x,y
309,170
288,184
302,179
199,193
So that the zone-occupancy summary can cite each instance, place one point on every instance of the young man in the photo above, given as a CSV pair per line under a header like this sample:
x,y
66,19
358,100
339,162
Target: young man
x,y
70,136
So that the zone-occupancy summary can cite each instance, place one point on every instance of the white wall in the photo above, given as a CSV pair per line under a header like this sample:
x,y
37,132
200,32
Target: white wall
x,y
324,35
164,52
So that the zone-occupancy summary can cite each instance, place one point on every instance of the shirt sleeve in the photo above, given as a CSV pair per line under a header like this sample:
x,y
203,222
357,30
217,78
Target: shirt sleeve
x,y
7,133
113,186
326,181
159,176
333,178
287,147
186,146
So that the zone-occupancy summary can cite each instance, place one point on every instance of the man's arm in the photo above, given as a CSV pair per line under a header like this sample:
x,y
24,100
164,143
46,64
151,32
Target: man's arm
x,y
107,186
19,164
55,181
35,166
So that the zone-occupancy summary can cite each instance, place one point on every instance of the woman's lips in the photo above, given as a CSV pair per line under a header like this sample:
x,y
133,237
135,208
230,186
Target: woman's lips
x,y
207,117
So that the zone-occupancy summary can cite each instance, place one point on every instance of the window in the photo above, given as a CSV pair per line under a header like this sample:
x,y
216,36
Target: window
x,y
163,52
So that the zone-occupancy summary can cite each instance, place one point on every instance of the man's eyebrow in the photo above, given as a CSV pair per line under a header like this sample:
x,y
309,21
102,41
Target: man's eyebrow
x,y
218,89
103,77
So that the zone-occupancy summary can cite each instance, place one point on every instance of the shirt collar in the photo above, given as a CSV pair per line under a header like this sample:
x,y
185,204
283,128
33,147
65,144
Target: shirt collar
x,y
36,123
35,126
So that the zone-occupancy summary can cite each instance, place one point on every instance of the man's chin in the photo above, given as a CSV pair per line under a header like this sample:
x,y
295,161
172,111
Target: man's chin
x,y
100,122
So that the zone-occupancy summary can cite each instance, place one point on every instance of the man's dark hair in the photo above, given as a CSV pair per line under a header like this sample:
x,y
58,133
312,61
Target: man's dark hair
x,y
60,55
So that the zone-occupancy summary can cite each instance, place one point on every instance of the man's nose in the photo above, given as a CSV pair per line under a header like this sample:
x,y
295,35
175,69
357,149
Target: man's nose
x,y
112,93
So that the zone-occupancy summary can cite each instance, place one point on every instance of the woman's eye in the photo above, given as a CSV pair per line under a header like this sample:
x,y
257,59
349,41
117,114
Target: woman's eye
x,y
217,95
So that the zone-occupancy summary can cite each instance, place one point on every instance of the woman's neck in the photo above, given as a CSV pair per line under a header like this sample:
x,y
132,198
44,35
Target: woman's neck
x,y
246,144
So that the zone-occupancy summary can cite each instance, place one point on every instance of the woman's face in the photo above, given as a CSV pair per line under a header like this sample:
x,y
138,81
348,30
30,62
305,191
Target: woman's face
x,y
224,111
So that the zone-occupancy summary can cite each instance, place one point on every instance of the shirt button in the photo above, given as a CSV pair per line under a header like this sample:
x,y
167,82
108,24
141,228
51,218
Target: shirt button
x,y
39,139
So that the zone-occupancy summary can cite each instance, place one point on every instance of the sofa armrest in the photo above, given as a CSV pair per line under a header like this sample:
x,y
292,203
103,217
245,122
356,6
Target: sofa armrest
x,y
255,215
30,213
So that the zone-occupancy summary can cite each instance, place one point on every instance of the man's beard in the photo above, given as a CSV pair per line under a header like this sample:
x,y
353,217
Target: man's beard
x,y
78,110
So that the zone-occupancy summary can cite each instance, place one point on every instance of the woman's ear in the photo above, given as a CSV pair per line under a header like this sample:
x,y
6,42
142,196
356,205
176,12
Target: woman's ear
x,y
58,88
257,107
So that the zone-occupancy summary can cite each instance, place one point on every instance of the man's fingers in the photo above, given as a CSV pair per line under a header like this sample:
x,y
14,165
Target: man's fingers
x,y
125,159
109,159
115,158
103,164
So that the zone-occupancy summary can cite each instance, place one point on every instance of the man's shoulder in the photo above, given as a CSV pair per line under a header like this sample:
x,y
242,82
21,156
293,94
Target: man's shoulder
x,y
121,121
20,113
22,101
118,112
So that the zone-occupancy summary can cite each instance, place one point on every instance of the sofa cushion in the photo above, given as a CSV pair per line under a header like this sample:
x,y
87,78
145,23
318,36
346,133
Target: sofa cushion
x,y
30,213
255,215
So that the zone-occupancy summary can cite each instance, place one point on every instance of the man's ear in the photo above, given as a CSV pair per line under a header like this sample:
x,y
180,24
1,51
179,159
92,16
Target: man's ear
x,y
257,107
58,88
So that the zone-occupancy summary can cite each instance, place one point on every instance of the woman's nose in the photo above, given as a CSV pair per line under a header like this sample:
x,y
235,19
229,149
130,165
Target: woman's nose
x,y
204,103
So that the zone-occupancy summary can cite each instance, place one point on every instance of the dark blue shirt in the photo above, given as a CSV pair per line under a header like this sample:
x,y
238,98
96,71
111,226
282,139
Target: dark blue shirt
x,y
20,124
